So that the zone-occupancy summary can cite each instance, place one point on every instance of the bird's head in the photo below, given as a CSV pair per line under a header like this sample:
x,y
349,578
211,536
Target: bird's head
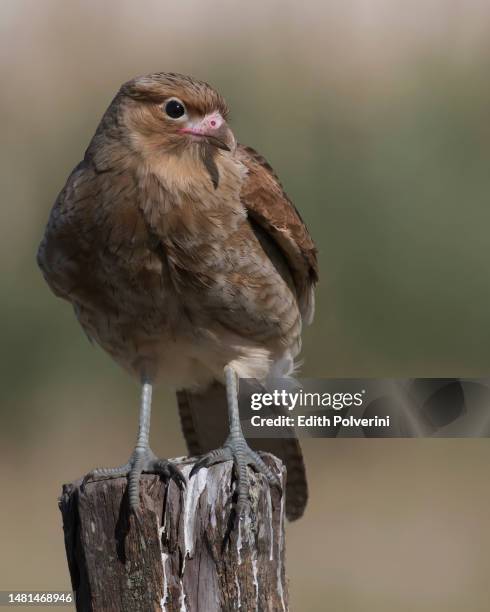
x,y
167,111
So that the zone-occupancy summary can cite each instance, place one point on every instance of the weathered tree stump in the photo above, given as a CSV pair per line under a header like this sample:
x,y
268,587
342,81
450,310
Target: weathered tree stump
x,y
182,554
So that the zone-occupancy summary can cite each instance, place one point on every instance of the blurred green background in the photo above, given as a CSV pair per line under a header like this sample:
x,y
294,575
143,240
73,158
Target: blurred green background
x,y
376,115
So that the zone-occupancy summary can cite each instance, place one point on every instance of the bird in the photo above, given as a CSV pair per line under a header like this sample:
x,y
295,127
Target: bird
x,y
186,262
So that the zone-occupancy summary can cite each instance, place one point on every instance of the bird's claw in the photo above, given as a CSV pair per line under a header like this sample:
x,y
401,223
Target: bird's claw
x,y
237,450
218,455
105,474
142,461
168,471
261,467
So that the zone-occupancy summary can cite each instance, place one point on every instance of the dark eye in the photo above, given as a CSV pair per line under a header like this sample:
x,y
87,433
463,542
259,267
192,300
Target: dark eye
x,y
175,109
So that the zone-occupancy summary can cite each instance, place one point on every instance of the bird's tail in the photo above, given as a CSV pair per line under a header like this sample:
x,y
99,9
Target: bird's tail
x,y
204,420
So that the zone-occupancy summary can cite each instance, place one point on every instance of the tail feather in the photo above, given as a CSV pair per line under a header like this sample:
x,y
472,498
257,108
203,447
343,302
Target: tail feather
x,y
204,420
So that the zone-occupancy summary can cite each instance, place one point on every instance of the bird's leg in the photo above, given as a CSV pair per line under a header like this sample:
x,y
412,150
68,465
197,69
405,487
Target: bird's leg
x,y
237,450
143,460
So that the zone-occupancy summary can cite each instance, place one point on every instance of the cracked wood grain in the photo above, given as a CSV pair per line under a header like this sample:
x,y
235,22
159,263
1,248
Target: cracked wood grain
x,y
182,555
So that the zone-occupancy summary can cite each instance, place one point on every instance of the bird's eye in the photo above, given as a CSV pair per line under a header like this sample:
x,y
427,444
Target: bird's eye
x,y
175,109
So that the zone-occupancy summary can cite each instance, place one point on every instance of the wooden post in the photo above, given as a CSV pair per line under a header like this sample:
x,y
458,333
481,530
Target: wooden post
x,y
181,555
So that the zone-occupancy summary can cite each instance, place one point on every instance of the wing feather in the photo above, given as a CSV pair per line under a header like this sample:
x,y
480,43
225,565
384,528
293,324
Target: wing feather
x,y
268,206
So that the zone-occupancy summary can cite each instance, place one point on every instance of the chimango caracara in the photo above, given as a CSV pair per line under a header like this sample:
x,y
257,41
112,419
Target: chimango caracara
x,y
185,260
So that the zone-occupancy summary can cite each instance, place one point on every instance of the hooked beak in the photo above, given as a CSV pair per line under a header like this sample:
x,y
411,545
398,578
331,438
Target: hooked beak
x,y
212,129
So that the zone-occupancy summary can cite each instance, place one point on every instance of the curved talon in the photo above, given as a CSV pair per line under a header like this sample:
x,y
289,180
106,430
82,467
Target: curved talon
x,y
167,469
218,455
134,511
260,466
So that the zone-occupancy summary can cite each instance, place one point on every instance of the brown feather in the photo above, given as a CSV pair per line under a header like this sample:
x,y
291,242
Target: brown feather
x,y
269,206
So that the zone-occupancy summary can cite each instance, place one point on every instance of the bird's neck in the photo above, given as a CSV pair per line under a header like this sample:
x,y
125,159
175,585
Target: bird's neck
x,y
178,189
186,176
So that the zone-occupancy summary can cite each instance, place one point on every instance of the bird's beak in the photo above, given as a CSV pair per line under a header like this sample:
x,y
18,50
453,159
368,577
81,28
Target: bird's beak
x,y
212,129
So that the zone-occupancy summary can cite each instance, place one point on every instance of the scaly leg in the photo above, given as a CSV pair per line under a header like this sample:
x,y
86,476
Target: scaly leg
x,y
237,450
142,460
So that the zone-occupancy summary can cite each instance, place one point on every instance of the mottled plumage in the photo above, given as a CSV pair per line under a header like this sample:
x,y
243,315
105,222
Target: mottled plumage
x,y
178,249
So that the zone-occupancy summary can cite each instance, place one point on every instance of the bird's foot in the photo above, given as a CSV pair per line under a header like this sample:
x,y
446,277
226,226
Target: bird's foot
x,y
237,450
142,461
